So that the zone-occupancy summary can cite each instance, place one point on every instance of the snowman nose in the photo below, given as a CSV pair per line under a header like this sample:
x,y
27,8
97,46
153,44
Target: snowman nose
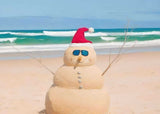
x,y
79,59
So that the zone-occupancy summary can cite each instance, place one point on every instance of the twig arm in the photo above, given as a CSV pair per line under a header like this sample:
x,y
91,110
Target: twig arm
x,y
38,60
119,53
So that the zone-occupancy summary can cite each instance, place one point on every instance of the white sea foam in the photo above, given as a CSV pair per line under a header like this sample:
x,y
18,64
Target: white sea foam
x,y
59,33
134,33
71,33
56,47
128,44
30,48
96,34
4,32
108,38
22,33
26,34
7,39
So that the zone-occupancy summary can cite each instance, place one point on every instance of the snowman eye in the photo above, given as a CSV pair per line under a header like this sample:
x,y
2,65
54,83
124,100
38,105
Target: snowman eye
x,y
76,52
84,52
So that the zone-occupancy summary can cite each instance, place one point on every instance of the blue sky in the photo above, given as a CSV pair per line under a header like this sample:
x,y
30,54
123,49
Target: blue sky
x,y
133,10
103,9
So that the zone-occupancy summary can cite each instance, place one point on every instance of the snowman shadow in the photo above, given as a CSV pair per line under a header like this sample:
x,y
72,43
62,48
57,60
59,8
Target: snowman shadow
x,y
44,110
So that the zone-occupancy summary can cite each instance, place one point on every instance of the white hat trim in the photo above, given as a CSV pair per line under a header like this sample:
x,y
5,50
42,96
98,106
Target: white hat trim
x,y
81,44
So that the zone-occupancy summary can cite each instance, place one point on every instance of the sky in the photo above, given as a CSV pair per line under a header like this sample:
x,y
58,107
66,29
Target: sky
x,y
134,10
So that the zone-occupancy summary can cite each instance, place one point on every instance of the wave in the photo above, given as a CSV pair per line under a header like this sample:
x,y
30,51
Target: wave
x,y
26,34
71,33
59,33
108,38
7,39
4,32
134,33
62,47
22,33
30,48
128,44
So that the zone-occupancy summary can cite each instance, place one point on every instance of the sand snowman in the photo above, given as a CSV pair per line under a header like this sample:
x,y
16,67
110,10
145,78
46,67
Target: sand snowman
x,y
78,84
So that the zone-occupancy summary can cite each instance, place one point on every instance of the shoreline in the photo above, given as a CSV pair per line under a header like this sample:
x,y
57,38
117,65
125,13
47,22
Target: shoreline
x,y
60,53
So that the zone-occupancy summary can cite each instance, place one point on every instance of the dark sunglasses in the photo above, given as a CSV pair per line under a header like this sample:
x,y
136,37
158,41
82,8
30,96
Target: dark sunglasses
x,y
83,52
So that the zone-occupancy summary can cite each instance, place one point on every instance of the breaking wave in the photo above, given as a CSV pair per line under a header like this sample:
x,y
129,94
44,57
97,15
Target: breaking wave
x,y
22,33
4,32
71,33
108,38
134,33
57,47
128,44
26,34
7,39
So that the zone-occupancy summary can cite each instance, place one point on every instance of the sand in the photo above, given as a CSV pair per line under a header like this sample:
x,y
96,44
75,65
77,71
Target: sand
x,y
133,84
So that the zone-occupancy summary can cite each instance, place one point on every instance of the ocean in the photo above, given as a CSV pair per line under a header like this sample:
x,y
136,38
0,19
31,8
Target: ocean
x,y
58,40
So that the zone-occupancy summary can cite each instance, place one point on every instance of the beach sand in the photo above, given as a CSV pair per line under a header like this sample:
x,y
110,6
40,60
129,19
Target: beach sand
x,y
133,84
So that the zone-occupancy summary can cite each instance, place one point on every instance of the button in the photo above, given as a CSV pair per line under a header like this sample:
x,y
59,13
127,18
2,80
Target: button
x,y
80,87
78,73
79,81
79,77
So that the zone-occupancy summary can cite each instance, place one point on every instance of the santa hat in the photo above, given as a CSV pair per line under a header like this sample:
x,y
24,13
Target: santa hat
x,y
79,38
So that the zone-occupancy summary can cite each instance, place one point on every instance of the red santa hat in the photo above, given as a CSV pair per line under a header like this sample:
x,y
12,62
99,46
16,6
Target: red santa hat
x,y
79,37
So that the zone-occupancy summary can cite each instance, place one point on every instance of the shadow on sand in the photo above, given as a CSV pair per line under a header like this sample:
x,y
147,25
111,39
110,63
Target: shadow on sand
x,y
42,112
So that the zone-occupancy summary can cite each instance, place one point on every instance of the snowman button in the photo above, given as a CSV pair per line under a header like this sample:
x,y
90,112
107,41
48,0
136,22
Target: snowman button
x,y
80,87
79,77
78,73
79,81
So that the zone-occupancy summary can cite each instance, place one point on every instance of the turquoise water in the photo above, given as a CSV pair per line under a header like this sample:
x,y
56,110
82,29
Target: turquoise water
x,y
40,37
40,40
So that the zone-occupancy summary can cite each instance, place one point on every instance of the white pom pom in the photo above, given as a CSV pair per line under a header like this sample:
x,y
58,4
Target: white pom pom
x,y
91,30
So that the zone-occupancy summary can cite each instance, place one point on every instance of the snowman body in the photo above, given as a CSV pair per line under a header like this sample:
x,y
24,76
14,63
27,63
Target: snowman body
x,y
78,85
86,77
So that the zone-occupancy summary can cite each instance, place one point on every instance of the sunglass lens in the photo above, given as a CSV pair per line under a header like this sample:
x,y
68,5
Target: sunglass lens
x,y
84,53
76,52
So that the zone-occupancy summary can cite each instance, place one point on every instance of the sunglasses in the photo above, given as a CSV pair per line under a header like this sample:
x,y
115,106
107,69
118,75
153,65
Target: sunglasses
x,y
83,52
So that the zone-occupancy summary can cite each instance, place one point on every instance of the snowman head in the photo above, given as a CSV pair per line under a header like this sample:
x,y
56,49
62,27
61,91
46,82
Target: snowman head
x,y
81,51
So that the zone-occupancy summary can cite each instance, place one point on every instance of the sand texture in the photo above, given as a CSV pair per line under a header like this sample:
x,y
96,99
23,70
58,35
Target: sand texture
x,y
133,84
